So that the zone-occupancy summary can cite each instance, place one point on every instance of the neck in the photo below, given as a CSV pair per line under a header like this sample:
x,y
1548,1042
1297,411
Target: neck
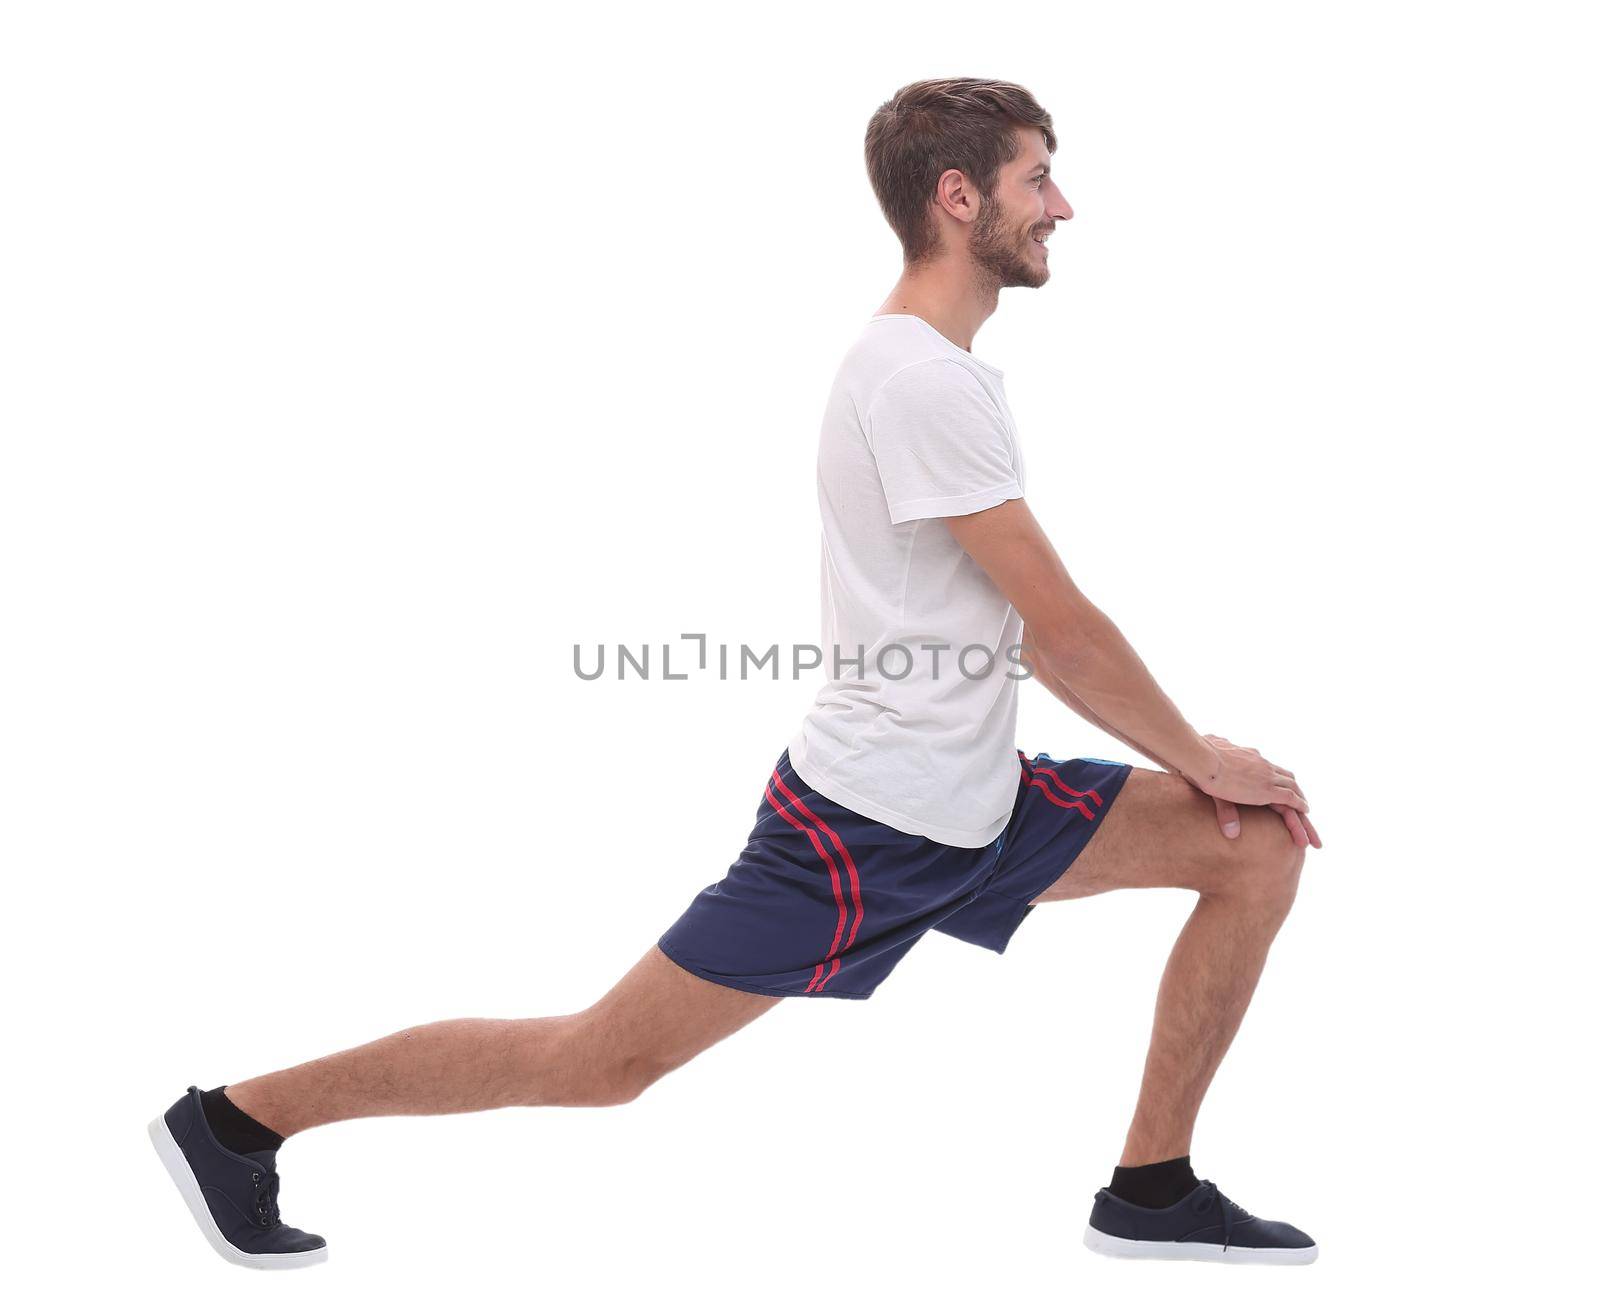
x,y
946,294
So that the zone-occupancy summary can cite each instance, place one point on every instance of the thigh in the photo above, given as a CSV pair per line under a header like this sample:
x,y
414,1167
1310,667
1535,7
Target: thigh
x,y
1163,832
663,1015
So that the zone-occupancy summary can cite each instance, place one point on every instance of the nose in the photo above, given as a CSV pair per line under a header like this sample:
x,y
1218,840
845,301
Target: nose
x,y
1058,208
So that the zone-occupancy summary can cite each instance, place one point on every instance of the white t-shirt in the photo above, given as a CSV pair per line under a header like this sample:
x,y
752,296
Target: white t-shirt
x,y
915,429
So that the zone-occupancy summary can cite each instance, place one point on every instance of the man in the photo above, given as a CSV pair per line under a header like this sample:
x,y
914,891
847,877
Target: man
x,y
901,804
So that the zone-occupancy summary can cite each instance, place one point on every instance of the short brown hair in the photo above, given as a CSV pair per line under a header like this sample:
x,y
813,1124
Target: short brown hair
x,y
943,123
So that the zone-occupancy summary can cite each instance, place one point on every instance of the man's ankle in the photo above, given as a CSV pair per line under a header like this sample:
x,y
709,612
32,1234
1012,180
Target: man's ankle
x,y
235,1129
1158,1185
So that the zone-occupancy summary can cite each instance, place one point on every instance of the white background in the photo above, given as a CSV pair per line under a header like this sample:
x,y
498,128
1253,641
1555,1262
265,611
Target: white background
x,y
361,359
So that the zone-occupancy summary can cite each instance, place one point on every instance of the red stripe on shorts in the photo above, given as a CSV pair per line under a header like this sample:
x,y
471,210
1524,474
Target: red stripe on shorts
x,y
1076,793
817,979
838,844
1077,804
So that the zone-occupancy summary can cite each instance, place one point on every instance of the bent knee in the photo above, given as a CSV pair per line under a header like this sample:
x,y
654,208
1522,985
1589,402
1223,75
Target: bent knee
x,y
625,1079
1262,865
604,1071
602,1093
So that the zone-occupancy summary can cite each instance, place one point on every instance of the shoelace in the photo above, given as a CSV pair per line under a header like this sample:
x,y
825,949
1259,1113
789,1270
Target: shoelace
x,y
1214,1197
266,1198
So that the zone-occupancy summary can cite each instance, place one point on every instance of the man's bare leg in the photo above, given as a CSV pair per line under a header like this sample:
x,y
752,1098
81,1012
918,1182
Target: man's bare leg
x,y
1162,832
655,1019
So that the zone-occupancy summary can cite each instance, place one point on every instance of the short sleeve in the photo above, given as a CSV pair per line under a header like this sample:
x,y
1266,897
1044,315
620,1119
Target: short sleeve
x,y
940,443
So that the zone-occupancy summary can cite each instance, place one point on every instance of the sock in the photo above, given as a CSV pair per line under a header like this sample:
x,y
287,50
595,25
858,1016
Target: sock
x,y
1154,1185
235,1129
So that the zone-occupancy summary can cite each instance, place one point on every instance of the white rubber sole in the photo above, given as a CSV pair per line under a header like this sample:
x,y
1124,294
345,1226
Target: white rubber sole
x,y
184,1179
1121,1248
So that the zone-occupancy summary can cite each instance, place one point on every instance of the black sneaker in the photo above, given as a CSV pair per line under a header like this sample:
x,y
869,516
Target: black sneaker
x,y
234,1197
1205,1224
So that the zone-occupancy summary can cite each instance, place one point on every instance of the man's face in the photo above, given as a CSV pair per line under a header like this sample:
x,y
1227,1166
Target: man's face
x,y
1026,206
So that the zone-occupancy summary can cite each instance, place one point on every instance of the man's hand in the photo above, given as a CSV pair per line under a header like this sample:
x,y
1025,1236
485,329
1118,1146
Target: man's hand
x,y
1300,828
1244,776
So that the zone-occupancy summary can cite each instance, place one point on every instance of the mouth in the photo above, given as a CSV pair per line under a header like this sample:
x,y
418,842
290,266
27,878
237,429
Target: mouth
x,y
1040,241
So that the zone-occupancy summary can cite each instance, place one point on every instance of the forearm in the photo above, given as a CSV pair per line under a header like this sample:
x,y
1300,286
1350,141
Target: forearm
x,y
1039,670
1096,672
1059,689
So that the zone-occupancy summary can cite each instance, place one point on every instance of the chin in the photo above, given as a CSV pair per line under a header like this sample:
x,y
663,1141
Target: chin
x,y
1034,272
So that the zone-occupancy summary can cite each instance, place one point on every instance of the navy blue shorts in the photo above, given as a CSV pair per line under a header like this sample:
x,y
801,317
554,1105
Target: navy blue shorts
x,y
824,901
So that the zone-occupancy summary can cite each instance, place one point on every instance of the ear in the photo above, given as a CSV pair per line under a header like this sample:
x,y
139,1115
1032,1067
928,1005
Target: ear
x,y
956,196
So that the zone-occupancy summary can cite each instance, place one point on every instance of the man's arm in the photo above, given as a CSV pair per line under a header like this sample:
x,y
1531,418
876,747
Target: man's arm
x,y
1042,671
1300,827
1084,656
